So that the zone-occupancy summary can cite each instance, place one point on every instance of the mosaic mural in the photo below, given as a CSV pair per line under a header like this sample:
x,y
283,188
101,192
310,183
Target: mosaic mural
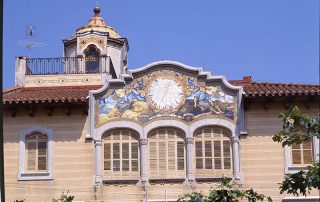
x,y
164,93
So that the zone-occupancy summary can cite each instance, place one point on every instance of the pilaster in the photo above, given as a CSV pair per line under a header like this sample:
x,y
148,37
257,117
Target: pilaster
x,y
143,159
236,157
98,176
190,173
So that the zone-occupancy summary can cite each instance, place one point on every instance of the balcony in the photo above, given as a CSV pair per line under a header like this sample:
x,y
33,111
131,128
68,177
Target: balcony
x,y
67,65
63,71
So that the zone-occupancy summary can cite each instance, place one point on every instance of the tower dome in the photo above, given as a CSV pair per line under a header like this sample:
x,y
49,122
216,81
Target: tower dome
x,y
97,23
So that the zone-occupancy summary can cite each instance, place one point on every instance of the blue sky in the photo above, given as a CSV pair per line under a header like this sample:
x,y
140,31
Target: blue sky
x,y
270,40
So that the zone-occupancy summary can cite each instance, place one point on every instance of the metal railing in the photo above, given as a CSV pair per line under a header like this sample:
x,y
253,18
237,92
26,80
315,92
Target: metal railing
x,y
67,65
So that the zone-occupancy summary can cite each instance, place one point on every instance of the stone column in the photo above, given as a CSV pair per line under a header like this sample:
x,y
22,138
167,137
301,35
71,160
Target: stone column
x,y
98,176
143,159
190,173
236,157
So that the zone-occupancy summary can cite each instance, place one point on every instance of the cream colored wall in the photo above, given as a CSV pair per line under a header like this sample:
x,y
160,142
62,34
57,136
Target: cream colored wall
x,y
262,160
73,157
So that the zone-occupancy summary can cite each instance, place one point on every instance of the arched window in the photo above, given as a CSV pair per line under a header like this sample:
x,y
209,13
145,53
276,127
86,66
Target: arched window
x,y
166,154
121,154
212,152
92,58
36,152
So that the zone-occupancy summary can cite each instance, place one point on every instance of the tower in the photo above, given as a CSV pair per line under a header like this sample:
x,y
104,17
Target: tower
x,y
94,54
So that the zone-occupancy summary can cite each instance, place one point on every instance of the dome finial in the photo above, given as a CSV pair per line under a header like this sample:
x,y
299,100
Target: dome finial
x,y
96,10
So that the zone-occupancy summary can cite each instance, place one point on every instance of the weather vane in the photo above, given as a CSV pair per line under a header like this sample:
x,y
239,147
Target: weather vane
x,y
30,35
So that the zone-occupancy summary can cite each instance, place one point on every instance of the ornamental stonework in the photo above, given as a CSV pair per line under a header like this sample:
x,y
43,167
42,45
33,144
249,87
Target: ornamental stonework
x,y
165,93
96,40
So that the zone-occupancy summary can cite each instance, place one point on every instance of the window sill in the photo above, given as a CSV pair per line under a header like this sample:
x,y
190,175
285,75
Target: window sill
x,y
35,176
301,198
120,182
295,169
167,181
211,179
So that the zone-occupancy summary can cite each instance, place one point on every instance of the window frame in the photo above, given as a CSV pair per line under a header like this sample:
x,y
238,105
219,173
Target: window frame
x,y
169,173
24,174
225,135
89,62
120,174
293,168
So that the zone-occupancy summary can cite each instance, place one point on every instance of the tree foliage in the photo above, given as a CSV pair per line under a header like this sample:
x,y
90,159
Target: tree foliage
x,y
227,191
64,198
296,129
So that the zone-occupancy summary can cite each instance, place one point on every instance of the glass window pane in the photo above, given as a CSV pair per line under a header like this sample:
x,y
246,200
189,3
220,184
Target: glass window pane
x,y
227,163
296,146
199,164
116,151
208,163
107,153
31,162
116,165
306,145
208,149
180,149
107,165
217,163
125,150
134,150
42,163
125,165
217,149
198,149
42,148
296,157
307,156
180,164
134,166
226,148
171,164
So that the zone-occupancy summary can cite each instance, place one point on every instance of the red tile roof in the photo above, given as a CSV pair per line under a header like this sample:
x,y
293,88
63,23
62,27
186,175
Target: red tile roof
x,y
47,94
80,93
253,89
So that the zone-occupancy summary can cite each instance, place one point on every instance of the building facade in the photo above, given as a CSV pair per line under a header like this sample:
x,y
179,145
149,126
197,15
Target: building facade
x,y
87,124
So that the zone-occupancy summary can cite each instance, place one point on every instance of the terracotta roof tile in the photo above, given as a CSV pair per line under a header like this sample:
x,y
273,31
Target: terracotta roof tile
x,y
47,94
80,93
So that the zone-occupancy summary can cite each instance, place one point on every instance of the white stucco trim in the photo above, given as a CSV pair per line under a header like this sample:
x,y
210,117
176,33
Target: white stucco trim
x,y
165,123
118,125
212,122
23,175
289,168
200,71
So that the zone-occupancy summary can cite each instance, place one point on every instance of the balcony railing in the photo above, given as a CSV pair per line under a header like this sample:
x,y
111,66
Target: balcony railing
x,y
67,65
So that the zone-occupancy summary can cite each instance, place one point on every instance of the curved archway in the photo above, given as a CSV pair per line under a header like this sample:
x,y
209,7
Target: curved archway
x,y
214,123
130,125
166,123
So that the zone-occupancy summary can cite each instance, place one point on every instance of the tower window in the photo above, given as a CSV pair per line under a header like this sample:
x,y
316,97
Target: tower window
x,y
92,58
